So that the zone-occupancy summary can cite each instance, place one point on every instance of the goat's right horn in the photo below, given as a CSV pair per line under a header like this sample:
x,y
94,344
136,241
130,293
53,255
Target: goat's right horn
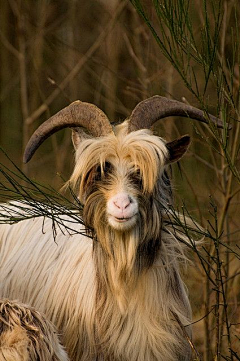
x,y
147,112
77,114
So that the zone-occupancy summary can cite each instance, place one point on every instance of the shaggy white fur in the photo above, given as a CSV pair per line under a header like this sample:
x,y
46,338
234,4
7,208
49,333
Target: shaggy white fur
x,y
26,335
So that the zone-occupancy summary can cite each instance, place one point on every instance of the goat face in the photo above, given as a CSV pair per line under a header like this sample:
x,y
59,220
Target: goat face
x,y
120,178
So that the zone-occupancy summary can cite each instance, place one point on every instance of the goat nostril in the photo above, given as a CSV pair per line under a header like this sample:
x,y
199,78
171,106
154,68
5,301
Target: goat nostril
x,y
116,204
122,204
127,204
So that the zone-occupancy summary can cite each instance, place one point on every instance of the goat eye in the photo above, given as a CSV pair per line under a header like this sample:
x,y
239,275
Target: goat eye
x,y
137,179
98,173
93,175
102,172
107,167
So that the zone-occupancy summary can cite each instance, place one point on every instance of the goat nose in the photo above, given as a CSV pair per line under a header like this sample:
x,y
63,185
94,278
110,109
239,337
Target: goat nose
x,y
122,201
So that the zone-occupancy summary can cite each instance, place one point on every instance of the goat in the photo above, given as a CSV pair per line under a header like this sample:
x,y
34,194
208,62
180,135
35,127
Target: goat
x,y
25,335
119,296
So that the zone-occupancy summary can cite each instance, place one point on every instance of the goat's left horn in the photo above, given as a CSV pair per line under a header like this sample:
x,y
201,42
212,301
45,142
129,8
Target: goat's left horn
x,y
147,112
77,114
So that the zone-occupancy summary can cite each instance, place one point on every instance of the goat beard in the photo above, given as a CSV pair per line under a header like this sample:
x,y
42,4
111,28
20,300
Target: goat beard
x,y
122,257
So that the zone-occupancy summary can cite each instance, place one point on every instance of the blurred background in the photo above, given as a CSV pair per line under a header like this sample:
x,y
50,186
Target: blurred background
x,y
54,52
115,53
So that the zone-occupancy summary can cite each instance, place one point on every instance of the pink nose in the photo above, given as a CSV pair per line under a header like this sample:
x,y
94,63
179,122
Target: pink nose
x,y
122,206
121,201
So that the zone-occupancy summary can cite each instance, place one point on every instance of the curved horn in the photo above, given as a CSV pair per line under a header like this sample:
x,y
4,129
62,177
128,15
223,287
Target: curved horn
x,y
147,112
77,114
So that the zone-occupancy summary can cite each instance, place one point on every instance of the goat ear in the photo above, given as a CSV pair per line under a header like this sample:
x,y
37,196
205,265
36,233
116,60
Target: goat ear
x,y
177,148
78,135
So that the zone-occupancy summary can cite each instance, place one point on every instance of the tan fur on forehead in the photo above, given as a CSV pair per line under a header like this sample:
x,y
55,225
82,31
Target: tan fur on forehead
x,y
126,152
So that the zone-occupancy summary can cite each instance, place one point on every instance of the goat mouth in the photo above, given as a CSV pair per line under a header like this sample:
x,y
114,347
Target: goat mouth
x,y
121,220
122,223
